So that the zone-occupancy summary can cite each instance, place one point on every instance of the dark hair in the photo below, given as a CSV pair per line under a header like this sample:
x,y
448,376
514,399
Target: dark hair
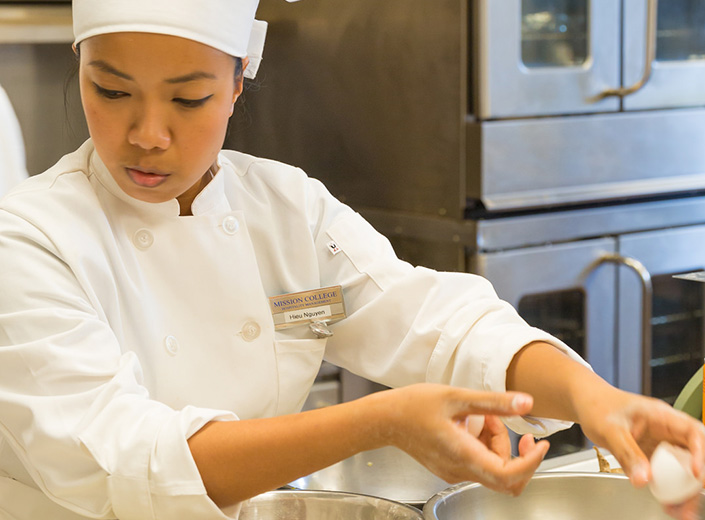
x,y
70,88
238,69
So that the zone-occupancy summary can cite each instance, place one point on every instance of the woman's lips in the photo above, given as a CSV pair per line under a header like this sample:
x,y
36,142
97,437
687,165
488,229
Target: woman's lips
x,y
146,179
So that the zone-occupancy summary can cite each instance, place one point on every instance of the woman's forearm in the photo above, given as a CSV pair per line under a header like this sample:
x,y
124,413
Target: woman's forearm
x,y
560,386
240,459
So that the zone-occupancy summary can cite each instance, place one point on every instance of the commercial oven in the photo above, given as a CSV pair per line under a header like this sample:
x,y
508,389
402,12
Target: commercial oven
x,y
576,57
553,146
604,284
499,104
625,79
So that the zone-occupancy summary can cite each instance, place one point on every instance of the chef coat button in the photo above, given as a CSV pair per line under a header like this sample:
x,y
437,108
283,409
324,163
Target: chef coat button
x,y
230,225
250,331
172,346
143,239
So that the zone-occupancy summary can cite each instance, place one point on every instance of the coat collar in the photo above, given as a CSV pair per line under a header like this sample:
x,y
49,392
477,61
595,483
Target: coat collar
x,y
210,200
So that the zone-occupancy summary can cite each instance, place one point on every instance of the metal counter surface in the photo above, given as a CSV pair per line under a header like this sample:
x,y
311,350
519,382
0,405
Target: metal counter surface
x,y
585,460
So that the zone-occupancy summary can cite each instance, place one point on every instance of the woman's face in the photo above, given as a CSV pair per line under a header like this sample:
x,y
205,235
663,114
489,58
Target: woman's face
x,y
157,108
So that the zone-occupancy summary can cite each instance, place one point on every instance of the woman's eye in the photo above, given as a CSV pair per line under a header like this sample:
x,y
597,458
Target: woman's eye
x,y
192,103
109,94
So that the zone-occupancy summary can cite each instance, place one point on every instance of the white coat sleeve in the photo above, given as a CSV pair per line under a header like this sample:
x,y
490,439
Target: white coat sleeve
x,y
410,324
72,404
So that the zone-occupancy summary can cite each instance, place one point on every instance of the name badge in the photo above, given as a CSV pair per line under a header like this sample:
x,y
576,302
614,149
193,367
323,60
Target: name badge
x,y
314,308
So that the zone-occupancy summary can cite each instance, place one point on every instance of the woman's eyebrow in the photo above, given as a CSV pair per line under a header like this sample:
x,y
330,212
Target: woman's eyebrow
x,y
106,67
193,76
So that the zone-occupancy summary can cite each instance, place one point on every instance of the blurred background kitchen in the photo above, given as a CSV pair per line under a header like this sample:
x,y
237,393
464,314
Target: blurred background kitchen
x,y
556,147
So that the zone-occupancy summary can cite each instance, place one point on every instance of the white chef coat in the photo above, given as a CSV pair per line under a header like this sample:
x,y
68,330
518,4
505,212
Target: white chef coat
x,y
12,161
124,327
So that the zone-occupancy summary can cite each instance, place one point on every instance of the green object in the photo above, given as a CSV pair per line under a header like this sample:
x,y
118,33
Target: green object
x,y
690,400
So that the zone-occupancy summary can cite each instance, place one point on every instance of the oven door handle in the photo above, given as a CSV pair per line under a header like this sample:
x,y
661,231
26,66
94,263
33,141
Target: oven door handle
x,y
647,294
651,24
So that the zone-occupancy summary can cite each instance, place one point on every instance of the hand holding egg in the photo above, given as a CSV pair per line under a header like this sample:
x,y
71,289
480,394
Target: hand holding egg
x,y
672,479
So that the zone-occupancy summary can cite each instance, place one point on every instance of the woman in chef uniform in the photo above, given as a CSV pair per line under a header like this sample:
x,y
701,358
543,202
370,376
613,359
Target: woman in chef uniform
x,y
165,307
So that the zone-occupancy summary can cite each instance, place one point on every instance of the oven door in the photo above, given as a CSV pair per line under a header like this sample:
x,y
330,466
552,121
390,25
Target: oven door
x,y
558,289
546,57
564,290
675,338
678,71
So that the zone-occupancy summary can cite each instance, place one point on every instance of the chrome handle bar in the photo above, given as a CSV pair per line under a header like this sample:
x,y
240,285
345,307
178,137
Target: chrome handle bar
x,y
651,22
647,293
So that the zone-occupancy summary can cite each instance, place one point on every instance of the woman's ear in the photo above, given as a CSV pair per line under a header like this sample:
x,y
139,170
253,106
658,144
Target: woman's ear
x,y
240,82
239,85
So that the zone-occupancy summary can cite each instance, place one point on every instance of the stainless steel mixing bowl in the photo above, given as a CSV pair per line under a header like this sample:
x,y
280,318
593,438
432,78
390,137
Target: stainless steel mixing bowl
x,y
387,472
550,496
324,505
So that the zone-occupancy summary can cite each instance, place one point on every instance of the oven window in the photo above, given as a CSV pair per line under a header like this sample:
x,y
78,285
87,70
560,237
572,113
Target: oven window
x,y
681,30
677,335
554,33
562,314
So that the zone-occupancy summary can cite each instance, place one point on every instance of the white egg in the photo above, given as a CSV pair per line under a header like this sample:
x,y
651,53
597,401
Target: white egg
x,y
672,479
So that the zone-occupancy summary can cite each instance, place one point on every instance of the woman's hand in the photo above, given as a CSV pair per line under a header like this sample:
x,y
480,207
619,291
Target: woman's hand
x,y
631,426
429,422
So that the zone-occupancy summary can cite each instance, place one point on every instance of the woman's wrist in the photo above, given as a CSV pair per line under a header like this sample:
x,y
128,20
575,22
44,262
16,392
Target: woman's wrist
x,y
382,415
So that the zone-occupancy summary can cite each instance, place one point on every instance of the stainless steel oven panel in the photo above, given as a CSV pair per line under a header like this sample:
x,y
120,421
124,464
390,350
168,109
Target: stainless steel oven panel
x,y
672,83
548,161
375,102
661,252
507,88
554,268
369,96
563,226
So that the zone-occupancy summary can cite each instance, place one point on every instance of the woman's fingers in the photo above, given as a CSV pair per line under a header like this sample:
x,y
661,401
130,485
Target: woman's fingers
x,y
433,424
696,445
470,402
526,444
630,456
632,431
531,454
496,438
507,475
689,510
631,426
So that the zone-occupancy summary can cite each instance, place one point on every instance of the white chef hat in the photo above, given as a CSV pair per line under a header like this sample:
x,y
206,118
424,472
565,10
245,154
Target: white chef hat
x,y
227,25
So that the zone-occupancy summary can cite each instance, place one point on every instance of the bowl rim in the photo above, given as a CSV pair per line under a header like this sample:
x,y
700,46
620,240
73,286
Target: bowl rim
x,y
336,494
430,506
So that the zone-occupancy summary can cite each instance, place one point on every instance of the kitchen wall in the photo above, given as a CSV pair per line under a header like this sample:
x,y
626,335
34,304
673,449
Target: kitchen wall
x,y
34,76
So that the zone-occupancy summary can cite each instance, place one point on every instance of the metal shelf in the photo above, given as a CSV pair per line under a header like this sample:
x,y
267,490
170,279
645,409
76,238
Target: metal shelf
x,y
35,24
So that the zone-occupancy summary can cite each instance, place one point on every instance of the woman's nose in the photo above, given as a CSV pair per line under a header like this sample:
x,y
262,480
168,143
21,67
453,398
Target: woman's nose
x,y
150,130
